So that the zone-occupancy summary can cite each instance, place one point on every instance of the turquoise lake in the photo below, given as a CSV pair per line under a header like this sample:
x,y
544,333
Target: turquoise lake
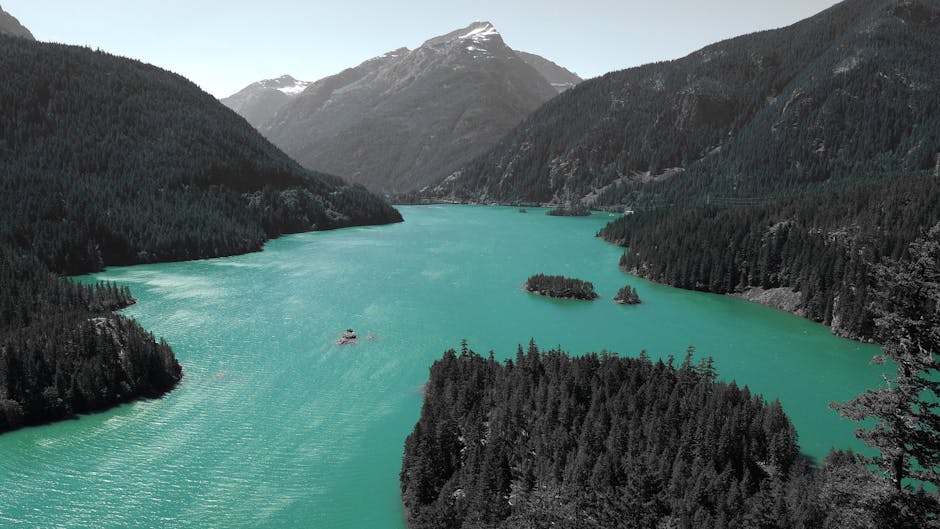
x,y
276,426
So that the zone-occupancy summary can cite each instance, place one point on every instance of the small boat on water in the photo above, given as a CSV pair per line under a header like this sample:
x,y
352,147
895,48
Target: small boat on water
x,y
348,337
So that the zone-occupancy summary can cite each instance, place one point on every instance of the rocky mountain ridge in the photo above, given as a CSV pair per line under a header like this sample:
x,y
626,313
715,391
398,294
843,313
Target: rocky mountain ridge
x,y
846,94
404,119
9,25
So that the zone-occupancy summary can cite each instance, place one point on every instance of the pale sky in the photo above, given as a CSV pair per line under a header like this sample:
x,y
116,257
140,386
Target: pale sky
x,y
224,46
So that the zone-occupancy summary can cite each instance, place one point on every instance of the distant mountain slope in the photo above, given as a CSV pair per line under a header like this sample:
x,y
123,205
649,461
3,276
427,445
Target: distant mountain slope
x,y
559,77
105,160
850,92
404,119
259,101
9,25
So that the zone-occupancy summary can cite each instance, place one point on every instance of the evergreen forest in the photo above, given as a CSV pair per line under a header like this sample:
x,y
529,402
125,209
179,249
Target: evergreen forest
x,y
109,161
106,160
823,246
599,441
560,287
64,351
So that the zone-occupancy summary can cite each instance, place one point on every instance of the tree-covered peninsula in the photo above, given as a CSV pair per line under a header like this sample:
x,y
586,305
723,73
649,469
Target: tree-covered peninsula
x,y
549,440
560,287
546,440
109,161
599,441
64,351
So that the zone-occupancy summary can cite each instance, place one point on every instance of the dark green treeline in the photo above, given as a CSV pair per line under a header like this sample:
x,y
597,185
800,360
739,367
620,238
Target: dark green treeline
x,y
109,161
599,441
822,245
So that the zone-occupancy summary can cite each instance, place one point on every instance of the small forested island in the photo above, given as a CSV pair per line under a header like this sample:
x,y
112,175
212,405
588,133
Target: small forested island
x,y
575,210
599,441
560,287
627,296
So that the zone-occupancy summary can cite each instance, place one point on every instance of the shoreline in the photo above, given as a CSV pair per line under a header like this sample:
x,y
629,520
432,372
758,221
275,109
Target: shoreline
x,y
779,298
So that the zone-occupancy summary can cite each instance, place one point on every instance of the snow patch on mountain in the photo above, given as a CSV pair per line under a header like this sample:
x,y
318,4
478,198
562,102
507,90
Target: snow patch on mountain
x,y
295,88
481,33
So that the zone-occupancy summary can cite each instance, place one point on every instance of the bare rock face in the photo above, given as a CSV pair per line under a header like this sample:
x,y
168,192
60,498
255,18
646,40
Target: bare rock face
x,y
782,298
9,25
559,77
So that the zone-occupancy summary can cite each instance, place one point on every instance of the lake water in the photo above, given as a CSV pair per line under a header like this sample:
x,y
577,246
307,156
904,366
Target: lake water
x,y
276,426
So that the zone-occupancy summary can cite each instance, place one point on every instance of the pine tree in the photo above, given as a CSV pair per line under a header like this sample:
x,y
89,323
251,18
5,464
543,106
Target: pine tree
x,y
907,429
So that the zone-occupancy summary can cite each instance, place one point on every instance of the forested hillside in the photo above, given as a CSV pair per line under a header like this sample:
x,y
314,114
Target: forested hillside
x,y
106,160
548,440
847,94
814,254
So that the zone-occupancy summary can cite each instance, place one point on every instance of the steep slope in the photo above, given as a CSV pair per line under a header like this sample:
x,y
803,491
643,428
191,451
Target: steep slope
x,y
105,160
9,25
404,119
559,77
259,101
849,92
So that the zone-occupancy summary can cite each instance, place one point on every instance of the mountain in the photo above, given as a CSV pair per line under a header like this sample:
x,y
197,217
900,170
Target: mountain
x,y
9,25
559,77
848,93
404,119
259,101
105,160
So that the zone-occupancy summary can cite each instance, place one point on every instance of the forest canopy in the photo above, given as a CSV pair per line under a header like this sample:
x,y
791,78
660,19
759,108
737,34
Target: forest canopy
x,y
596,441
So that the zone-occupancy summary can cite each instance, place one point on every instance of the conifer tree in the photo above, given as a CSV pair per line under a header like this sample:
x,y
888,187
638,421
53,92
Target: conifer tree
x,y
907,428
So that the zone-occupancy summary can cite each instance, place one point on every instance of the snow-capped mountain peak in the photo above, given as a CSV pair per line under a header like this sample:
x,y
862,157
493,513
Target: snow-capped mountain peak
x,y
400,120
480,32
284,84
296,88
